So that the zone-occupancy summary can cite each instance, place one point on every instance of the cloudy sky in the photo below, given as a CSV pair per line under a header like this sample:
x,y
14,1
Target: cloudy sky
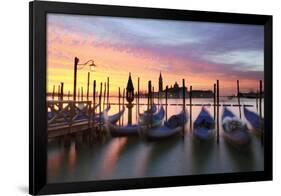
x,y
200,52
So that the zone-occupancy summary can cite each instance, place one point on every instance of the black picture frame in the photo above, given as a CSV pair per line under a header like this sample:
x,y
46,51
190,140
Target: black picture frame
x,y
37,97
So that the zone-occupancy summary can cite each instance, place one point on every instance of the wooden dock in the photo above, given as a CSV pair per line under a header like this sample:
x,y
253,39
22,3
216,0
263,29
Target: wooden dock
x,y
62,117
62,130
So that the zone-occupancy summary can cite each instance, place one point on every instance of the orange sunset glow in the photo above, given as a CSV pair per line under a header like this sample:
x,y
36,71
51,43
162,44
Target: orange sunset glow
x,y
199,52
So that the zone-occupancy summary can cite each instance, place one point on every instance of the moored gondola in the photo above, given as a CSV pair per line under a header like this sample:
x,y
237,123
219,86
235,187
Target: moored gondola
x,y
113,118
149,112
235,130
149,122
254,119
204,125
97,116
171,128
128,130
152,120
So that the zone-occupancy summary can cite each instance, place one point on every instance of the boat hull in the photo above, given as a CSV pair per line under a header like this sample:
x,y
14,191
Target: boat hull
x,y
162,133
130,130
239,138
254,120
204,125
204,134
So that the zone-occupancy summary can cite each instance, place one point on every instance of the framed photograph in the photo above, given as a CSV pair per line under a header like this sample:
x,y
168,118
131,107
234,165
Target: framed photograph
x,y
131,97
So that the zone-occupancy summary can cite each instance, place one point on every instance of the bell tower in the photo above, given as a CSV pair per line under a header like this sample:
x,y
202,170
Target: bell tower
x,y
160,83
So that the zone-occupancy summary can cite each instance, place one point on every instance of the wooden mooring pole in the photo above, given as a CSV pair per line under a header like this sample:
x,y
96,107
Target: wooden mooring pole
x,y
218,111
238,98
119,103
58,93
138,96
215,92
183,94
82,94
68,95
136,105
260,112
94,101
166,103
257,100
88,86
123,104
61,90
107,96
190,108
53,94
94,94
100,97
104,96
152,95
183,105
158,99
78,94
149,95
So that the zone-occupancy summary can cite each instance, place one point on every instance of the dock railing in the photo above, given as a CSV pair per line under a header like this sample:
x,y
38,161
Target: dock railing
x,y
65,115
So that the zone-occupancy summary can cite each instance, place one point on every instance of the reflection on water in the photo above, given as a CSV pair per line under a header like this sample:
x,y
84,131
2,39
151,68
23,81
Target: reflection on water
x,y
117,158
111,156
72,156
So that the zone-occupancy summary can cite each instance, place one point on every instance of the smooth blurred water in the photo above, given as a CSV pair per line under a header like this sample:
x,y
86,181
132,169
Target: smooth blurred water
x,y
119,158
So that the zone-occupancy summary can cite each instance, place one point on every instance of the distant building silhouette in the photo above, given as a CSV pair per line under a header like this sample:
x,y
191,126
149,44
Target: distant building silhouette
x,y
250,94
160,83
176,91
202,94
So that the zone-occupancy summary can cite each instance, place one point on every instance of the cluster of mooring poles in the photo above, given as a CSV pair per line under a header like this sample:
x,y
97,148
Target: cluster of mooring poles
x,y
129,94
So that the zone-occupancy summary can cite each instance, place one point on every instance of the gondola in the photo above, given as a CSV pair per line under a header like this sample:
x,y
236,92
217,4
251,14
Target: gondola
x,y
113,118
152,120
149,112
254,119
132,130
97,116
204,125
100,116
172,127
152,110
128,130
235,130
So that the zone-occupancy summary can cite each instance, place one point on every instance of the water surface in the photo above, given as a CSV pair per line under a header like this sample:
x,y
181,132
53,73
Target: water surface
x,y
134,157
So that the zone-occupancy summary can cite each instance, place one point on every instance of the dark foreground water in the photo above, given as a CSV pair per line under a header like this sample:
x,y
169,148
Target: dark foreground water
x,y
119,158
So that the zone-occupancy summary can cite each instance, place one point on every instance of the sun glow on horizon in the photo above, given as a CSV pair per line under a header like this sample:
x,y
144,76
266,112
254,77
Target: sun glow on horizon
x,y
119,46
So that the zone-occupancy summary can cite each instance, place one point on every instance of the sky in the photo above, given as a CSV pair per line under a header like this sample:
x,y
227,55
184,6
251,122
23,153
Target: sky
x,y
199,52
